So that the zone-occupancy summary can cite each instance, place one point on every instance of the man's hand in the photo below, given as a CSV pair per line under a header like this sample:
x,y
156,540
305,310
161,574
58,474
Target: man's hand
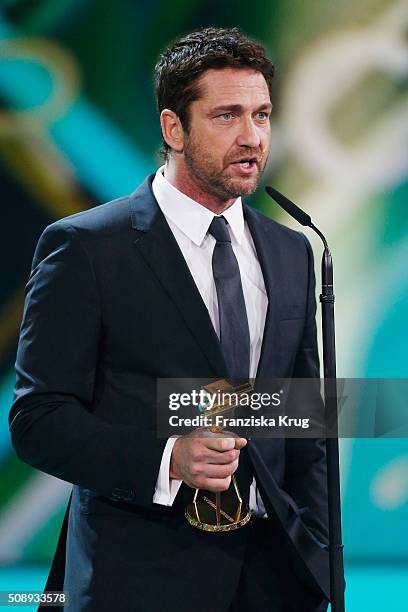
x,y
206,462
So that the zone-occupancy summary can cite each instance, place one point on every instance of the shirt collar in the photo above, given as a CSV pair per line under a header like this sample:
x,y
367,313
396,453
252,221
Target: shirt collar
x,y
189,216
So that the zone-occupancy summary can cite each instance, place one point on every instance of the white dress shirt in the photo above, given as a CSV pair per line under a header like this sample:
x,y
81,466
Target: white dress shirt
x,y
189,221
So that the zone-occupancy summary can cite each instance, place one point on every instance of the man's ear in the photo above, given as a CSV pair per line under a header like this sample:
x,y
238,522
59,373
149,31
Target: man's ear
x,y
172,130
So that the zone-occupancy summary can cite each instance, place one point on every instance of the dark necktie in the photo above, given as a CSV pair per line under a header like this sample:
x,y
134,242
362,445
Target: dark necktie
x,y
234,330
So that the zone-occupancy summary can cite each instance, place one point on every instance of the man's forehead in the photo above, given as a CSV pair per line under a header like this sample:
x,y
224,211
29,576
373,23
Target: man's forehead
x,y
232,84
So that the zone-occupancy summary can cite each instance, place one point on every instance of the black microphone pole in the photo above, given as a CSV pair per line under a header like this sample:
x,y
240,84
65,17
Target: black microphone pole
x,y
330,388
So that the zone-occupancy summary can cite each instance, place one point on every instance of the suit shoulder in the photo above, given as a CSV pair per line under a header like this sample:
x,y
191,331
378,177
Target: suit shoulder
x,y
102,218
102,221
95,226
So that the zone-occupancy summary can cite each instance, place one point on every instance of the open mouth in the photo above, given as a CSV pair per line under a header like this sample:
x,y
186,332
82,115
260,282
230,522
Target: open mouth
x,y
246,163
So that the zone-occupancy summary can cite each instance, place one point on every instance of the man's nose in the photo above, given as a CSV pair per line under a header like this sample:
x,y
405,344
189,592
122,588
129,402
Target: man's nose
x,y
248,135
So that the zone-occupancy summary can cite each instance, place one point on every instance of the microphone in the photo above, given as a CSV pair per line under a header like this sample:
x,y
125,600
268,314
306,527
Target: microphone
x,y
331,408
294,211
291,208
304,219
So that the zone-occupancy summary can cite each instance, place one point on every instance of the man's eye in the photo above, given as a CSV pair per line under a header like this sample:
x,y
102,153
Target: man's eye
x,y
226,116
262,115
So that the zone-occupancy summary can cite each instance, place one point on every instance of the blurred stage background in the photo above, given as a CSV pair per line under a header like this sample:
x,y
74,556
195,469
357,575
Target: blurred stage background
x,y
78,127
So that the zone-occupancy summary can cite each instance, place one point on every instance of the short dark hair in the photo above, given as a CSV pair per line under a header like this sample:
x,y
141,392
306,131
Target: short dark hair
x,y
187,58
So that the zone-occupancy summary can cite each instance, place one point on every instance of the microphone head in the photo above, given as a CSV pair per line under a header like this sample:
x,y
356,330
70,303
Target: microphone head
x,y
291,208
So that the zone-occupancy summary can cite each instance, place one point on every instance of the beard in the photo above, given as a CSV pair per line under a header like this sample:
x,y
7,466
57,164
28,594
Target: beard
x,y
212,180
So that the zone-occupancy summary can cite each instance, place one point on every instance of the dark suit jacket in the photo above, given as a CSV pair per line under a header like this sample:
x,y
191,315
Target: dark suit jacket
x,y
111,306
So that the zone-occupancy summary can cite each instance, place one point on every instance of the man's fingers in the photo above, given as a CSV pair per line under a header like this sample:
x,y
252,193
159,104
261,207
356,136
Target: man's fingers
x,y
202,454
219,444
222,444
240,443
210,456
199,461
220,471
215,485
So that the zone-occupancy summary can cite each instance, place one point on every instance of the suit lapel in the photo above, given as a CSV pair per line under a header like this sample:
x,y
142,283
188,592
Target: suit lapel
x,y
270,261
157,245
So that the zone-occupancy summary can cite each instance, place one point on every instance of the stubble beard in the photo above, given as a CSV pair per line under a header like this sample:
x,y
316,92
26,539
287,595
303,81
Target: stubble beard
x,y
210,180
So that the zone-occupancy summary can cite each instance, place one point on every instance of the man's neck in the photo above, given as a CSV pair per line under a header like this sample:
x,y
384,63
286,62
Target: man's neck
x,y
178,176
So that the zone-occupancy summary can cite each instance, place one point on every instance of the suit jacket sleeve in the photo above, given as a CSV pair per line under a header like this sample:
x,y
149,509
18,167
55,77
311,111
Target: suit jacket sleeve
x,y
306,472
51,420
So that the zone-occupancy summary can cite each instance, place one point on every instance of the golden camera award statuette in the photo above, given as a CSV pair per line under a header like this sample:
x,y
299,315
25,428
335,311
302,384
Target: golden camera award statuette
x,y
215,511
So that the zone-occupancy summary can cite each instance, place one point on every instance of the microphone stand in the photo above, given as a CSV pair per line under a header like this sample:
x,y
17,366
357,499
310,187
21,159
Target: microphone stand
x,y
331,407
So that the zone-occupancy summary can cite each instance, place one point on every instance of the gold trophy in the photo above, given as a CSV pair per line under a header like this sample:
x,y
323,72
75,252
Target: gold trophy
x,y
209,511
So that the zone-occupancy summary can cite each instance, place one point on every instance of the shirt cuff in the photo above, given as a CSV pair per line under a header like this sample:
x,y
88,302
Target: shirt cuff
x,y
166,487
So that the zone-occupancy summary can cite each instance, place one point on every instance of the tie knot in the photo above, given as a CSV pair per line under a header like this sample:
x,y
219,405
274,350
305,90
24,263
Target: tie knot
x,y
219,229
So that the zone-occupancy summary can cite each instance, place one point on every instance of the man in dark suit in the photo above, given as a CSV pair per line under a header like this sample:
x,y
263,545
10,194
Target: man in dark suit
x,y
161,283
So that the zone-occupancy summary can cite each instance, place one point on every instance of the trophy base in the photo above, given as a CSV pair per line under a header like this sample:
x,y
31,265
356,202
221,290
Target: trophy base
x,y
202,514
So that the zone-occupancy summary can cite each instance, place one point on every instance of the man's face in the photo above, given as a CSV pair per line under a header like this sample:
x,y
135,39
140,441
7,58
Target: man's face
x,y
227,144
